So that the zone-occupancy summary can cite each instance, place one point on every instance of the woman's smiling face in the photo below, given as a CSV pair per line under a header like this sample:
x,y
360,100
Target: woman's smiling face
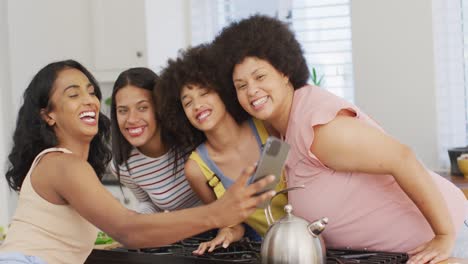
x,y
73,109
202,106
260,88
136,115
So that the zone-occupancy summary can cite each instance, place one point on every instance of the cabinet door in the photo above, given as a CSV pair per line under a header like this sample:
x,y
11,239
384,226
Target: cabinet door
x,y
119,36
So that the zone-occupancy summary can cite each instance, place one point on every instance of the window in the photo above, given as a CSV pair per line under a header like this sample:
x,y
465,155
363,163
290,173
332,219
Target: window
x,y
324,30
323,27
455,24
450,74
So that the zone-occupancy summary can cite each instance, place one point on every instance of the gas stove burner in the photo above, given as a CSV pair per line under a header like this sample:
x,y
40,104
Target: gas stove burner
x,y
243,251
237,256
338,256
192,242
174,249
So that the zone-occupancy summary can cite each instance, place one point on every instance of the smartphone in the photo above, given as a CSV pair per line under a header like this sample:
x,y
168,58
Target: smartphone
x,y
272,160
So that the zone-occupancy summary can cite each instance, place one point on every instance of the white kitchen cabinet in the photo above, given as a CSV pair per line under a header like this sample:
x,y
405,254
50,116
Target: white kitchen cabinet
x,y
119,37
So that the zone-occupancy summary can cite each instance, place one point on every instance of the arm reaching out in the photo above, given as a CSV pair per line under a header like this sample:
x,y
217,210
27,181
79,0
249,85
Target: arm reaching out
x,y
75,181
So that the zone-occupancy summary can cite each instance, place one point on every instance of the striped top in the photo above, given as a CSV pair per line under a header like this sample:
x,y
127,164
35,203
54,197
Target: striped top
x,y
154,183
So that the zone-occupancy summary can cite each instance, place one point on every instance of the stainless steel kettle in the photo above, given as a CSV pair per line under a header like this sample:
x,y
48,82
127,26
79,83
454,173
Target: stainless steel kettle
x,y
292,239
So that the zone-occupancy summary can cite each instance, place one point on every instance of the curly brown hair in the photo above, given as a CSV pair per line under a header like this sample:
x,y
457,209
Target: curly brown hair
x,y
263,37
194,66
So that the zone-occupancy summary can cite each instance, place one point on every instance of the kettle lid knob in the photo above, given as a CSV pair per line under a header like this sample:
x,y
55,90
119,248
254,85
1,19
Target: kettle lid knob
x,y
288,209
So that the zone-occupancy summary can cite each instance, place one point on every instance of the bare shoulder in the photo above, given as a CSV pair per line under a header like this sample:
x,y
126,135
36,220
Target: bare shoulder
x,y
63,164
58,173
193,171
197,181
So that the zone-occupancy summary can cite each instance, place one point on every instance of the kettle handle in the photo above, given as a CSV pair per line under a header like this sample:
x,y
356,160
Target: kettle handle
x,y
268,214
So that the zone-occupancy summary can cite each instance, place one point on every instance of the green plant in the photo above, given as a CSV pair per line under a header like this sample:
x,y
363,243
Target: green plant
x,y
2,234
108,101
103,238
316,80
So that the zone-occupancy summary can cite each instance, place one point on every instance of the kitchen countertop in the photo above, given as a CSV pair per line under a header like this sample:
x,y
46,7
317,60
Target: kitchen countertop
x,y
459,181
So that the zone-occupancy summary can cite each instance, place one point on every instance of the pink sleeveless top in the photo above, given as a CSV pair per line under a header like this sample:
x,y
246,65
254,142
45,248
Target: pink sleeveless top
x,y
364,210
55,233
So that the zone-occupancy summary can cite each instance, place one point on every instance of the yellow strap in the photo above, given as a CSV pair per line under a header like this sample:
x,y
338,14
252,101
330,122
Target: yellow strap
x,y
213,180
262,132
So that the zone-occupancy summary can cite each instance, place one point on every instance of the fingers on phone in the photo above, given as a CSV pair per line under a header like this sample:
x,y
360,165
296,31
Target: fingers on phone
x,y
259,185
262,198
245,174
249,170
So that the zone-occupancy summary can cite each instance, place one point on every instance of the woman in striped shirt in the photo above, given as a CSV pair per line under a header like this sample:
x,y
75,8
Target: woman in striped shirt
x,y
145,156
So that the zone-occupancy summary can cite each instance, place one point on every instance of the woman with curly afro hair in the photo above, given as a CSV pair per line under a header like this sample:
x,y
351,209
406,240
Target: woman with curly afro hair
x,y
201,116
353,172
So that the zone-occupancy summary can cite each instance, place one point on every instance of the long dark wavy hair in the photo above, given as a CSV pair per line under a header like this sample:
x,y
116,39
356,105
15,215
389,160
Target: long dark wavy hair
x,y
143,78
193,66
32,134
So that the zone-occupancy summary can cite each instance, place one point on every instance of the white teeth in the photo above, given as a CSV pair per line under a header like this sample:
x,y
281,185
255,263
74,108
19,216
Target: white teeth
x,y
260,101
135,130
88,114
203,115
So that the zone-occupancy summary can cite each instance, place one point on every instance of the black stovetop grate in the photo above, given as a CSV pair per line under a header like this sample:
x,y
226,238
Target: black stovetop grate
x,y
246,251
346,256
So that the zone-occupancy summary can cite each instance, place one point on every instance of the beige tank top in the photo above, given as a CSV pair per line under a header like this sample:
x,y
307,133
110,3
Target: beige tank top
x,y
55,233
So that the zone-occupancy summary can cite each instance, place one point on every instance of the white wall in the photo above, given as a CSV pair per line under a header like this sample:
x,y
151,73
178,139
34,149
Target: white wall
x,y
394,70
4,117
45,31
33,34
168,30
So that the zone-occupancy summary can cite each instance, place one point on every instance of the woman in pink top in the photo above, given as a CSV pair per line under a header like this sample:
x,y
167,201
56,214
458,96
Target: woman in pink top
x,y
58,156
374,190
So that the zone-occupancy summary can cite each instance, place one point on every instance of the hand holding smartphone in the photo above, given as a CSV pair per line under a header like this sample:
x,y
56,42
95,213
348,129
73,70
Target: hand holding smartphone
x,y
272,160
